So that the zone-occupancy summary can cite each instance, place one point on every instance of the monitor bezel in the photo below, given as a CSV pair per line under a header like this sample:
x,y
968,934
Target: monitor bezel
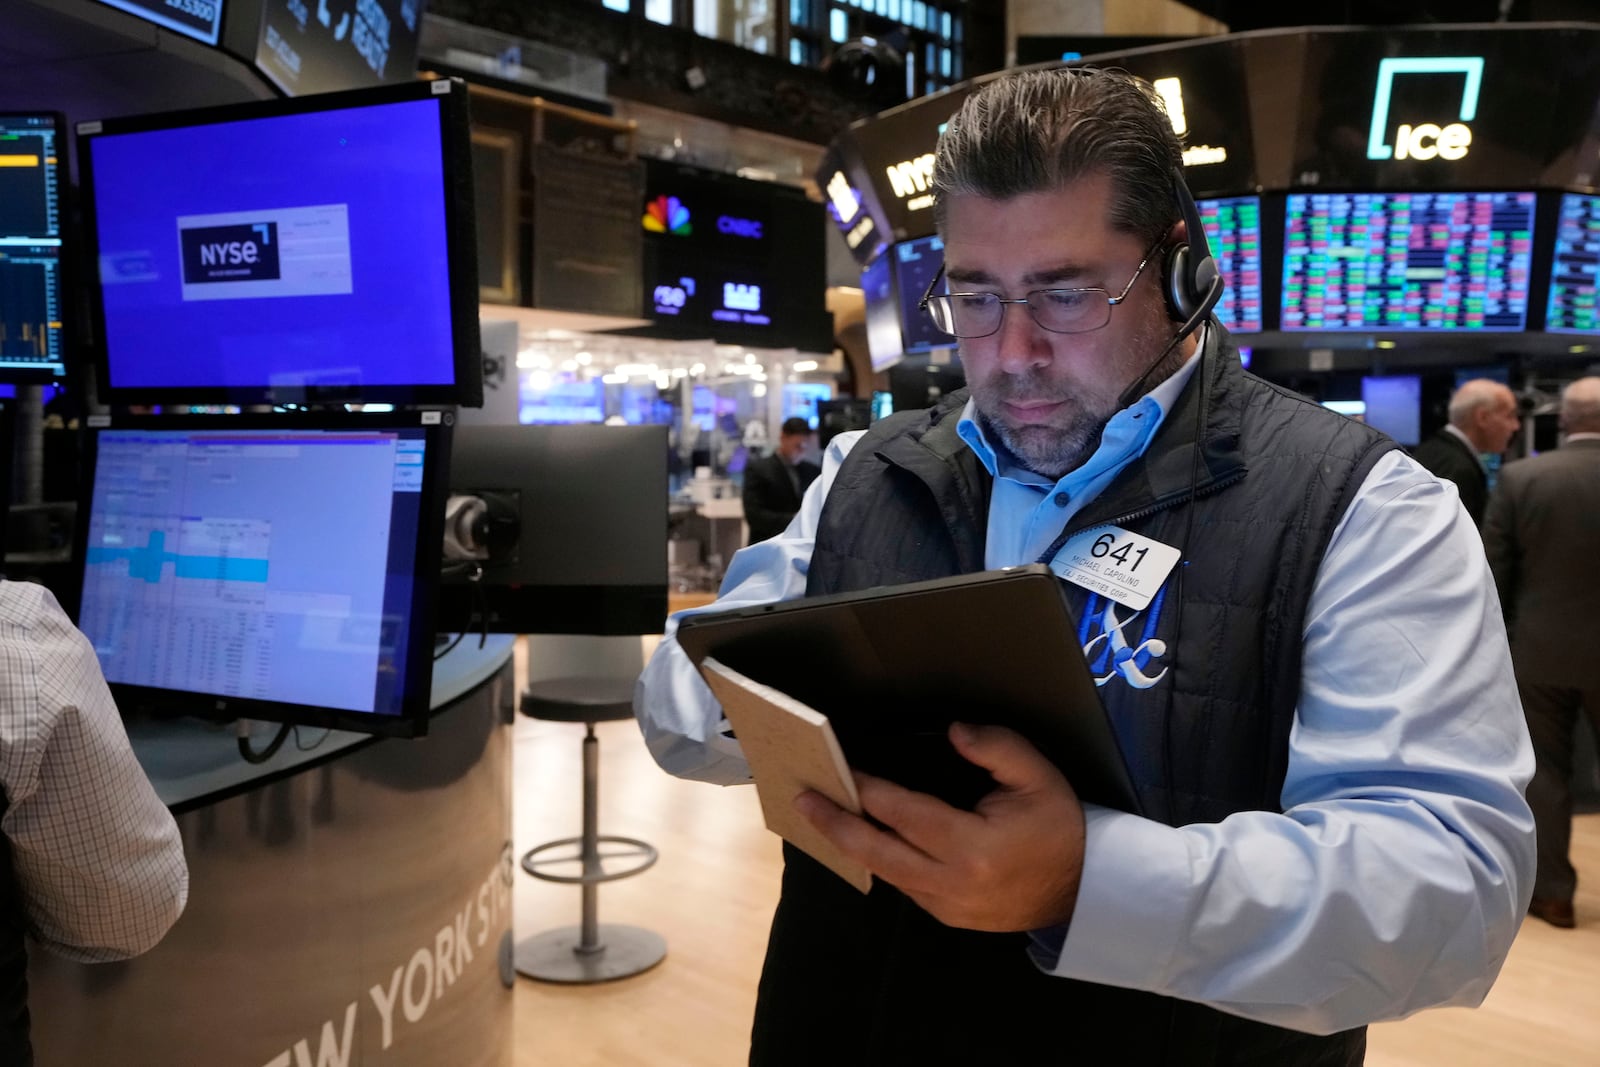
x,y
460,221
416,700
21,375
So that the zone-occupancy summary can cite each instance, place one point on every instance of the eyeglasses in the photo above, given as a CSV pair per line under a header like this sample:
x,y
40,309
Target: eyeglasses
x,y
1056,310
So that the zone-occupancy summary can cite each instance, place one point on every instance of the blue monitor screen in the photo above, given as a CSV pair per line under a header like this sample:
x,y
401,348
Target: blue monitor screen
x,y
544,401
308,250
1407,261
1233,229
31,309
885,346
1394,405
1575,271
916,262
263,565
800,400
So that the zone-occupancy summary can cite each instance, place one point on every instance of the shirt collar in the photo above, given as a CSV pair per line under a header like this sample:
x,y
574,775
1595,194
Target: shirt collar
x,y
1155,403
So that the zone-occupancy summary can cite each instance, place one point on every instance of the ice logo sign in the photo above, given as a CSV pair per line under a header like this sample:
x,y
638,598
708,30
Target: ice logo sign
x,y
1425,140
241,252
741,297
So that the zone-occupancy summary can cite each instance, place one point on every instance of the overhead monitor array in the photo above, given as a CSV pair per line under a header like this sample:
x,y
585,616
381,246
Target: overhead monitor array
x,y
1575,271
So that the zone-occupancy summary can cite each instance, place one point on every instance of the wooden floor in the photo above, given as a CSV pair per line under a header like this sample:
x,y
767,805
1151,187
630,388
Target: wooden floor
x,y
711,897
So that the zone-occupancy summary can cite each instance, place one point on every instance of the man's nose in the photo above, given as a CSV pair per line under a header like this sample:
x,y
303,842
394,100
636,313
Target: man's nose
x,y
1023,343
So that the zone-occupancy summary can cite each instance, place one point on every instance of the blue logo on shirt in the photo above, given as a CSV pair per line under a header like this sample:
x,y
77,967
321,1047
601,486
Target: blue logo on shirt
x,y
1107,648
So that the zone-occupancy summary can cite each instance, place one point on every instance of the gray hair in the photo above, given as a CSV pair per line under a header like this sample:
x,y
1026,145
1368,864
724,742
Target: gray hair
x,y
1580,406
1475,394
1039,130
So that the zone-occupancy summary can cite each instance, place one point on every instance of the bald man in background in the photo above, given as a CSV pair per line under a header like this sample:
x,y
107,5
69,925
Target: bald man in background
x,y
1542,537
1483,418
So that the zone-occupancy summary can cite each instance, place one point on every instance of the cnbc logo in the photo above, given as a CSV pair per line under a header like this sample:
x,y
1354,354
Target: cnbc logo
x,y
666,214
1425,140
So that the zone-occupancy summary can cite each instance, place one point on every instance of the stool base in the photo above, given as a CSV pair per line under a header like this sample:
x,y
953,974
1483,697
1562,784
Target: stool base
x,y
624,951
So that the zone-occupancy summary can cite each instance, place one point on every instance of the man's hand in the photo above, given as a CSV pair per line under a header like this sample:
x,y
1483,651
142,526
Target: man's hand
x,y
1012,864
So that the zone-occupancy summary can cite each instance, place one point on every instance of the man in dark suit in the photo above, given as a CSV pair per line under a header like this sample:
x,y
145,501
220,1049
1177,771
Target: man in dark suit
x,y
1541,535
1483,418
773,485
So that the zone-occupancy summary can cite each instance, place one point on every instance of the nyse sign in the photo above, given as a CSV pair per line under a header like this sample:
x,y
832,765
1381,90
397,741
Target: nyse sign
x,y
912,181
1425,140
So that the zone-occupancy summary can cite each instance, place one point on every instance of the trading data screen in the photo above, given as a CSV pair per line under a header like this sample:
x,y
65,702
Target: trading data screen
x,y
1233,229
261,564
1575,271
1407,261
916,262
30,247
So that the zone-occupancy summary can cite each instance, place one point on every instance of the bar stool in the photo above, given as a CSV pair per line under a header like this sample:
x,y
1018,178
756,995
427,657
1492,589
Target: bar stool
x,y
591,951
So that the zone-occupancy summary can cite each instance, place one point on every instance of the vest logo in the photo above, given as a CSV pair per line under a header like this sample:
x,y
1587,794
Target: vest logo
x,y
667,214
242,252
1109,651
1425,140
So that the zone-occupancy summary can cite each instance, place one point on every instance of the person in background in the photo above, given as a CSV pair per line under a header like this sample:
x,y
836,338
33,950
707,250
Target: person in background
x,y
773,485
91,864
1542,537
1320,719
1483,419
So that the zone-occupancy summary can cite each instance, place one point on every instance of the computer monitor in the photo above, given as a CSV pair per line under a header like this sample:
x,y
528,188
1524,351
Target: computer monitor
x,y
541,400
916,262
1407,261
800,400
885,347
1394,405
32,183
307,250
8,456
587,550
882,404
1233,229
1575,267
275,567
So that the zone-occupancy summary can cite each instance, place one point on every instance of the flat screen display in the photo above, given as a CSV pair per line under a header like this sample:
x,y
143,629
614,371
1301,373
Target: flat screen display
x,y
323,46
1394,405
31,305
541,400
200,19
271,569
800,400
884,343
1575,268
302,250
916,262
1407,261
1233,229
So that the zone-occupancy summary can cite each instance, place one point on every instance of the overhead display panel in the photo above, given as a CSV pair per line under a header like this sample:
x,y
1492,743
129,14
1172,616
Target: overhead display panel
x,y
896,150
1460,109
1575,267
314,46
1407,261
200,19
1233,229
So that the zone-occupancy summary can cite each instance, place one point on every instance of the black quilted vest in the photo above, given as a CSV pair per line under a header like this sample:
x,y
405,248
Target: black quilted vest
x,y
875,980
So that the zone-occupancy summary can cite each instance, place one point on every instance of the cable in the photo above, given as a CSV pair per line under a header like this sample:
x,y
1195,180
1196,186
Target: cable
x,y
479,606
314,745
249,754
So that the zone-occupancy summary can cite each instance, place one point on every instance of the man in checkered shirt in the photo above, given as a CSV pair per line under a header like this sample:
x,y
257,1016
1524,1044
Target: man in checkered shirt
x,y
91,865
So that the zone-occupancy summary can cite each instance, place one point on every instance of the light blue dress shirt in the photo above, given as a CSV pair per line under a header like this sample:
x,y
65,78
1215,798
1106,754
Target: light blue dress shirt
x,y
1396,876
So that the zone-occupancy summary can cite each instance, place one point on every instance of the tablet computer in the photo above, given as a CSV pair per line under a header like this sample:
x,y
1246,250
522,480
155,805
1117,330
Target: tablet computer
x,y
891,667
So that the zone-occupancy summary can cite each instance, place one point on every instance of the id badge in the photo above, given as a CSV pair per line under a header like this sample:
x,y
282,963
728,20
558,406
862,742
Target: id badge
x,y
1118,564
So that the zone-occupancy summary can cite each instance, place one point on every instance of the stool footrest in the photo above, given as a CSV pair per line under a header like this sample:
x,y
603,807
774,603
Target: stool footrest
x,y
640,854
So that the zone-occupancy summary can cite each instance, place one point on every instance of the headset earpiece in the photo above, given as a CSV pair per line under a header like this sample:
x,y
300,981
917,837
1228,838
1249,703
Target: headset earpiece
x,y
1193,284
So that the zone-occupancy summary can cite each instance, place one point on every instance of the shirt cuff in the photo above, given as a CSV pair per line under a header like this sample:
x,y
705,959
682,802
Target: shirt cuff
x,y
1133,903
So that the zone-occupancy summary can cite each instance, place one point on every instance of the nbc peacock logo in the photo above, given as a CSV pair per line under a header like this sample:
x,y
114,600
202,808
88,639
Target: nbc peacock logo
x,y
666,214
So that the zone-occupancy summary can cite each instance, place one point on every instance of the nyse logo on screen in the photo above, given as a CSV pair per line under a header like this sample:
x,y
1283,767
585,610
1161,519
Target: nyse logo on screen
x,y
1425,140
245,252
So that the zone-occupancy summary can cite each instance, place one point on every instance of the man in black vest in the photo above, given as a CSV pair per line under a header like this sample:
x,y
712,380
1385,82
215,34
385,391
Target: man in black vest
x,y
1483,419
1321,841
774,485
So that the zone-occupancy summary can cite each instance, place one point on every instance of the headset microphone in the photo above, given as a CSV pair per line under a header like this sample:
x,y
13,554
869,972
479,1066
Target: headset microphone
x,y
1191,284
